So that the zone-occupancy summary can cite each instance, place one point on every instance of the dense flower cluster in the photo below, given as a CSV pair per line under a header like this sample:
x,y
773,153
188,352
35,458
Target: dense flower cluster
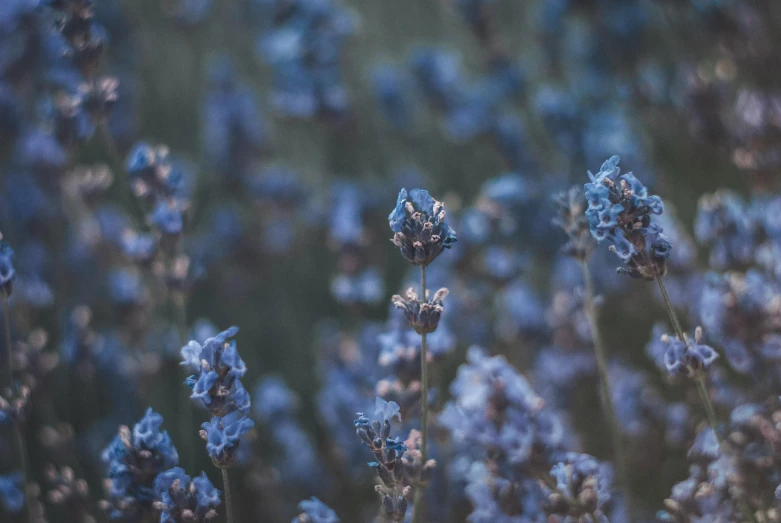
x,y
736,480
183,501
218,384
315,511
619,212
394,486
219,389
495,407
303,43
11,492
420,230
583,488
135,459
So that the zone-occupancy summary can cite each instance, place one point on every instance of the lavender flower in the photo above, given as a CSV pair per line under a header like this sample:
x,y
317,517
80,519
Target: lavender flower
x,y
421,316
134,460
619,212
218,385
315,511
12,492
7,270
583,487
688,359
734,481
419,227
223,438
570,208
495,411
182,501
388,454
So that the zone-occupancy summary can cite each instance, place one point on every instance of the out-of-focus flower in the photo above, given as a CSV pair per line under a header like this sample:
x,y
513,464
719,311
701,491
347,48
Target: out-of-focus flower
x,y
315,511
688,359
12,492
182,501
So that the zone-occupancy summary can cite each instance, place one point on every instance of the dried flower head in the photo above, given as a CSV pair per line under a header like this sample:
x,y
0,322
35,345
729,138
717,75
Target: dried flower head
x,y
419,227
421,316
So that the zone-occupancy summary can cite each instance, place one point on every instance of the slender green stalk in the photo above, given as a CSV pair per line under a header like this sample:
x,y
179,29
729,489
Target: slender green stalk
x,y
604,384
708,404
418,509
8,383
670,311
701,387
180,312
226,485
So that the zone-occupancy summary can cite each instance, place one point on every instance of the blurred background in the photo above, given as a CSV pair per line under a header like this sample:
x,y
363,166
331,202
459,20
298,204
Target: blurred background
x,y
288,127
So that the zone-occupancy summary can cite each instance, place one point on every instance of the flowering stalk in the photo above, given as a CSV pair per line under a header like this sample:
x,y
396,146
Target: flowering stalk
x,y
604,384
417,513
573,221
218,387
421,233
226,486
700,379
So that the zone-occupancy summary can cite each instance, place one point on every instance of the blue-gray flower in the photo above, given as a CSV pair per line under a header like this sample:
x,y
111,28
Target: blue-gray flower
x,y
419,227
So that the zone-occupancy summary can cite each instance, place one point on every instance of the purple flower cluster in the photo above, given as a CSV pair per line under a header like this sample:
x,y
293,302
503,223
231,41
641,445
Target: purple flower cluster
x,y
135,459
394,489
419,227
619,212
183,501
218,388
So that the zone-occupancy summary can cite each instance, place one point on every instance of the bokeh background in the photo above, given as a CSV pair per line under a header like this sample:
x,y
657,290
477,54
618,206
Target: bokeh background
x,y
294,123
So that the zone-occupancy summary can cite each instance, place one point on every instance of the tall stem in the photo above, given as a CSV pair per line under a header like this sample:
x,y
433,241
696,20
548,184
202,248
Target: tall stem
x,y
670,311
226,485
701,386
604,385
180,312
418,509
8,383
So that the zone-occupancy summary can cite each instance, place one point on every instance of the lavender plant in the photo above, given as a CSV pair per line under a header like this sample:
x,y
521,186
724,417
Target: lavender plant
x,y
219,389
579,225
274,216
421,234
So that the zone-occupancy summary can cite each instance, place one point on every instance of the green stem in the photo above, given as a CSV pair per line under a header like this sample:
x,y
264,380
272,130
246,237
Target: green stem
x,y
701,386
9,385
180,312
418,509
670,310
226,485
708,404
604,384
